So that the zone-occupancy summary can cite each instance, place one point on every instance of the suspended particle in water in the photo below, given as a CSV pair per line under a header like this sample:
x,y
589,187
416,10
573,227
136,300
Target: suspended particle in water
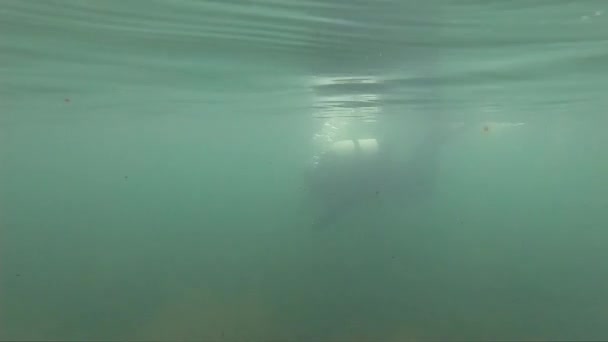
x,y
66,100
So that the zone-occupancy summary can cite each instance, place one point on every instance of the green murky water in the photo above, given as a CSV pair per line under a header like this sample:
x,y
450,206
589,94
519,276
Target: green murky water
x,y
157,161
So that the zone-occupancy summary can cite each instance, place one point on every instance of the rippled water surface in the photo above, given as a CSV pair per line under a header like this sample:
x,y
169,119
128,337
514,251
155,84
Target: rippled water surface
x,y
317,170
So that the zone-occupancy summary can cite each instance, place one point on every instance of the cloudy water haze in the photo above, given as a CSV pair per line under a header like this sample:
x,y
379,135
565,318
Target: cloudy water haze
x,y
316,170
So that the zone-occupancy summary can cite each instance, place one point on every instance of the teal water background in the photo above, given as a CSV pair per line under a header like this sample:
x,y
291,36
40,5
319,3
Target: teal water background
x,y
153,158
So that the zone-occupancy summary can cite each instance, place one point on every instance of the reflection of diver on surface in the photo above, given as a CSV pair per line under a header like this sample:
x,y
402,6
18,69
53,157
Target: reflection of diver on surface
x,y
354,173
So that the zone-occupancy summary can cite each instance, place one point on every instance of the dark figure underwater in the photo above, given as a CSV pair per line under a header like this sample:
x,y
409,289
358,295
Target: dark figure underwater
x,y
345,183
